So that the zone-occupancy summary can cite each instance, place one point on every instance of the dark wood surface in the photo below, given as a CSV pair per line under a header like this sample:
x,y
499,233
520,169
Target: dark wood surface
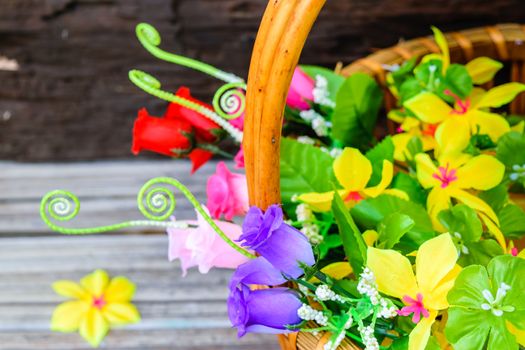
x,y
177,313
70,98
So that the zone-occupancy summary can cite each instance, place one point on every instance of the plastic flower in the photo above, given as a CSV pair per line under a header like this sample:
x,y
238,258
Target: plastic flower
x,y
97,304
239,159
487,308
261,311
424,293
431,109
353,171
301,90
281,244
412,127
227,193
202,247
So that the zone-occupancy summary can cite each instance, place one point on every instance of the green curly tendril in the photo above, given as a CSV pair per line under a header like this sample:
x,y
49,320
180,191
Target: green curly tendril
x,y
152,86
230,100
149,37
155,203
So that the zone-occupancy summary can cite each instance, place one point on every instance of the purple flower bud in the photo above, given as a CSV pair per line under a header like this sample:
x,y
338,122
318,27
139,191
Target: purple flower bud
x,y
263,311
282,245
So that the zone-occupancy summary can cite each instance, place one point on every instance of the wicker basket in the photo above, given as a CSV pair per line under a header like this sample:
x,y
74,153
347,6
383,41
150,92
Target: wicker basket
x,y
282,34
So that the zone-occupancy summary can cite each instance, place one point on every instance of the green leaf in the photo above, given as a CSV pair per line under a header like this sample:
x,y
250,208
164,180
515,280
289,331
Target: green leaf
x,y
458,80
410,88
480,253
392,228
329,242
304,168
463,220
370,212
496,197
410,186
512,221
353,243
510,149
382,151
483,69
334,80
357,106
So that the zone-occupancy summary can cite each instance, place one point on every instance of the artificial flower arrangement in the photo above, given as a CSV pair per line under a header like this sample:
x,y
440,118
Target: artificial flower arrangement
x,y
402,242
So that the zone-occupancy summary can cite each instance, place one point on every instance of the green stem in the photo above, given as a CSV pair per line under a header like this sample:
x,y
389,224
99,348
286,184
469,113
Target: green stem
x,y
152,86
149,37
155,203
214,149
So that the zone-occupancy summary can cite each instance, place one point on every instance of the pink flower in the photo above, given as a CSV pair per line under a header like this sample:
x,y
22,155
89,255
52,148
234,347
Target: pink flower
x,y
301,90
227,193
203,247
238,122
239,159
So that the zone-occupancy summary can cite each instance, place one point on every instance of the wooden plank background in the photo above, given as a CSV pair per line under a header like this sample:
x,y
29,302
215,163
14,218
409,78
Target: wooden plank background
x,y
71,99
177,313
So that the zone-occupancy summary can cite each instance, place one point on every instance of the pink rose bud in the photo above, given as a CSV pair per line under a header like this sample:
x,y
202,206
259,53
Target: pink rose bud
x,y
301,90
239,159
227,193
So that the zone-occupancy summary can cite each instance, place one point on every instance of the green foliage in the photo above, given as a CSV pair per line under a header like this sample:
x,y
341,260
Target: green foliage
x,y
410,186
304,168
392,228
384,150
353,243
510,151
458,80
512,221
357,105
472,326
334,80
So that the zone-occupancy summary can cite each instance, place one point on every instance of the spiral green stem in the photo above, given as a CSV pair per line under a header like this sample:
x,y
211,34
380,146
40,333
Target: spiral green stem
x,y
152,86
149,37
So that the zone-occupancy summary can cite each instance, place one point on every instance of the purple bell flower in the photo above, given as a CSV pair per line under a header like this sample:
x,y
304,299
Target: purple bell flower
x,y
281,244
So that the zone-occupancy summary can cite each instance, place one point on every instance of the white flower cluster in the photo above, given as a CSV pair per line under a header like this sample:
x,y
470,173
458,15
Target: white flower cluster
x,y
309,115
311,231
367,286
303,212
308,313
332,345
324,293
518,172
306,140
320,92
320,126
369,340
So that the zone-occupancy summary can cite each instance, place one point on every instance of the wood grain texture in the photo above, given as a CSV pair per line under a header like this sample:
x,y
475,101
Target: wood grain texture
x,y
71,98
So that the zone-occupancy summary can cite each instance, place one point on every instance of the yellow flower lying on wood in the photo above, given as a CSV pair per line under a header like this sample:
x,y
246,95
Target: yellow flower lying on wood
x,y
98,303
353,171
424,293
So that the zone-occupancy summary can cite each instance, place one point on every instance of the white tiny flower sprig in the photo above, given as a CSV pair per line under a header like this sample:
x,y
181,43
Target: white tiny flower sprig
x,y
367,286
321,93
518,172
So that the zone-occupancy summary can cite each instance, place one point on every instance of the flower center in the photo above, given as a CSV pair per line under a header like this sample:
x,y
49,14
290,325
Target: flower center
x,y
494,304
458,239
415,307
99,302
446,176
514,251
429,129
462,106
353,196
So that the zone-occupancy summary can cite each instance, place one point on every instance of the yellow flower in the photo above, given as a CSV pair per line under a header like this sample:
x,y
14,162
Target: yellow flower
x,y
97,304
411,127
424,293
431,109
353,171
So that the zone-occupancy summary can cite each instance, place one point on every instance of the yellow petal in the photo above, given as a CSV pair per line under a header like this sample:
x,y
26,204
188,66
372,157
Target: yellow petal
x,y
397,193
490,124
482,172
443,46
396,115
120,289
121,313
520,127
474,202
438,199
435,259
393,272
431,56
400,145
386,178
501,95
452,136
370,237
425,171
519,334
437,299
67,316
95,283
418,338
522,254
318,201
410,123
337,270
494,230
428,107
93,327
352,169
70,289
483,69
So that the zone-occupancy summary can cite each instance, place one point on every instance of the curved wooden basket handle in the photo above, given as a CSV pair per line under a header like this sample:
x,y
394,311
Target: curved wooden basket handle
x,y
280,40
